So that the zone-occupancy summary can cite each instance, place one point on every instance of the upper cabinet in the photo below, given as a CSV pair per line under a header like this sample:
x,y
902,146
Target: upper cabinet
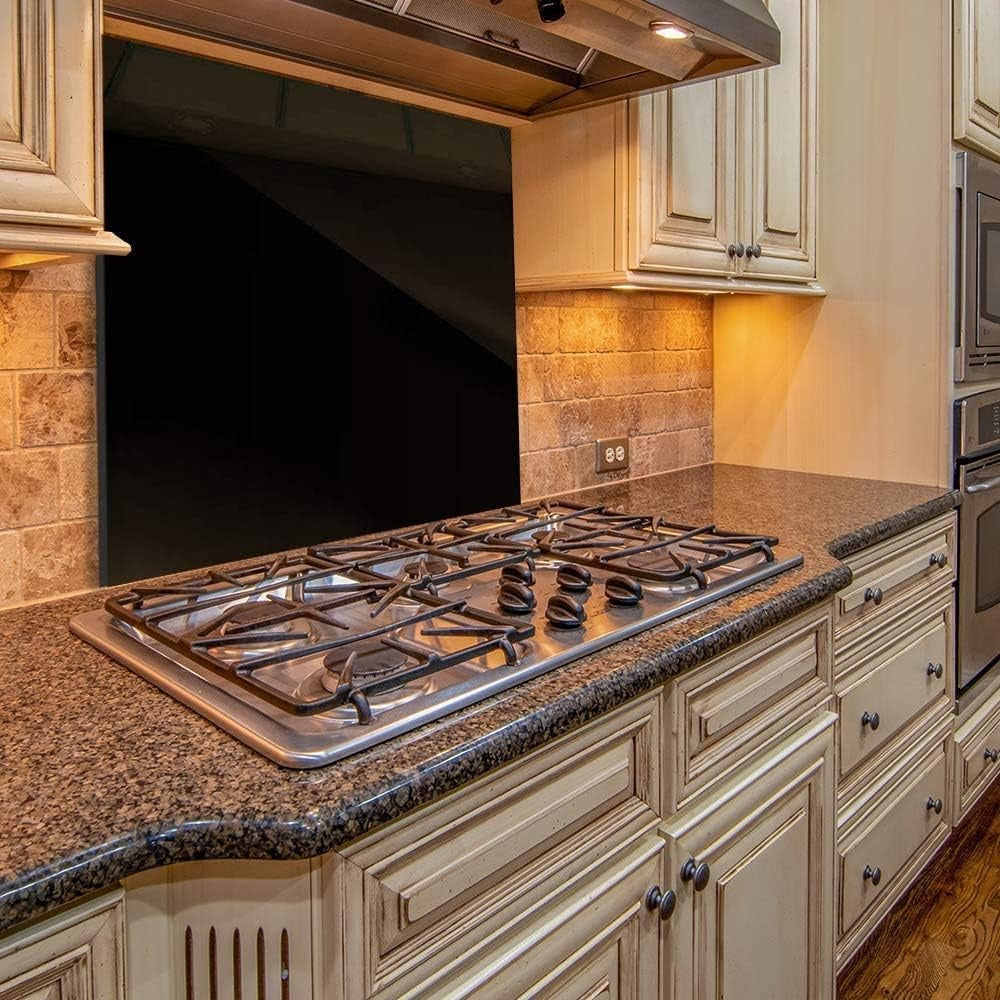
x,y
50,131
711,185
977,75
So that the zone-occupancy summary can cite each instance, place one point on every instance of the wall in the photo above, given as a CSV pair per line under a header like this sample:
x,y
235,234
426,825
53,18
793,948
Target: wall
x,y
48,465
857,383
594,364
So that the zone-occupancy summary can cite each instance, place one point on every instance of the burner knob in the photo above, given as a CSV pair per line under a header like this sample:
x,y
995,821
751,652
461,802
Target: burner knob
x,y
623,591
515,598
574,578
517,573
564,611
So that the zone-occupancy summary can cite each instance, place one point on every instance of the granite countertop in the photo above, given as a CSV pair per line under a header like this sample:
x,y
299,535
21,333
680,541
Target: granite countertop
x,y
104,776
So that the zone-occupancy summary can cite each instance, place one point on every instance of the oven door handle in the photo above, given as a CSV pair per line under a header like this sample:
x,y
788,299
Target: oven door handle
x,y
981,486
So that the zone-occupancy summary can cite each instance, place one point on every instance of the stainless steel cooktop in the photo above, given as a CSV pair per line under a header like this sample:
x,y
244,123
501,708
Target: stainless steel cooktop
x,y
310,658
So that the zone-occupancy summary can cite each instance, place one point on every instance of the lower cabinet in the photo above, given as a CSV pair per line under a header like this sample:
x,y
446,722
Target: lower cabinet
x,y
975,754
752,867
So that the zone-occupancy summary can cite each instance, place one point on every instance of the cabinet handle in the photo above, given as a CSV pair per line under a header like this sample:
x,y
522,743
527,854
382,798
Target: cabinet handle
x,y
736,249
665,902
697,874
875,874
936,804
754,250
874,595
935,670
991,755
871,719
939,559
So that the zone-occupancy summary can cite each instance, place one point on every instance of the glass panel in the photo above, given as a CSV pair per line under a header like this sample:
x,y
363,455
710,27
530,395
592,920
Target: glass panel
x,y
988,559
989,272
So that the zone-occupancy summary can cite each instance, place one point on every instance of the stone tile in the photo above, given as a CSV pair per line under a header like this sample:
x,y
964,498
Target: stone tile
x,y
678,410
540,426
29,488
56,408
78,482
27,335
77,276
540,333
58,559
652,453
560,377
10,568
642,329
695,447
642,371
689,329
6,277
547,472
6,411
583,331
576,421
76,328
653,409
531,378
665,374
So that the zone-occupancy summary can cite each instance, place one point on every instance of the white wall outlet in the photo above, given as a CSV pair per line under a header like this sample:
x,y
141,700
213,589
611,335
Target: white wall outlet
x,y
612,454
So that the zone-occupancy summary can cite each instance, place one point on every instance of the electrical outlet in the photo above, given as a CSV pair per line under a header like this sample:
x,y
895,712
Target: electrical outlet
x,y
612,454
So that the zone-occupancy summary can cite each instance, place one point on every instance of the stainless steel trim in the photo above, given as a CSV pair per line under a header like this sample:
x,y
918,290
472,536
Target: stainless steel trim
x,y
984,486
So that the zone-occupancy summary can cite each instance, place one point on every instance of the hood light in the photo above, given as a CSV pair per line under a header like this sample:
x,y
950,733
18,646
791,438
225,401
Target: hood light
x,y
667,29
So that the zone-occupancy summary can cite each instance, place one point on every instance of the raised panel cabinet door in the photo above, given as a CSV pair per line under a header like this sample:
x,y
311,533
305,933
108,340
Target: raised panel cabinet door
x,y
976,89
754,869
777,136
683,201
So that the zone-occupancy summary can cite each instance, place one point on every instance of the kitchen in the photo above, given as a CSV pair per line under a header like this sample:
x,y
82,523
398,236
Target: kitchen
x,y
495,497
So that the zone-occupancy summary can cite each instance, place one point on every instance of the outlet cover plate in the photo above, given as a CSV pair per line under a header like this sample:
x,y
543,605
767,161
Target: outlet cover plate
x,y
612,454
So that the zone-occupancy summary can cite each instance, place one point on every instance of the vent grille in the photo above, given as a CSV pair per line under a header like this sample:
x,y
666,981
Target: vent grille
x,y
213,973
984,359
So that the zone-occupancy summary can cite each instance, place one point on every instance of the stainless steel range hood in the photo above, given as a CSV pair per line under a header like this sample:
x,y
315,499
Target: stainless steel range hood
x,y
494,54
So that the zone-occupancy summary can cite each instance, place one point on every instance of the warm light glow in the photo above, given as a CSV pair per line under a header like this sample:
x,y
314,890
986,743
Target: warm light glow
x,y
667,29
628,288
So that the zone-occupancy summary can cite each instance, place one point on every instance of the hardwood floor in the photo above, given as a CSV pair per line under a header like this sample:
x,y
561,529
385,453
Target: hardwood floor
x,y
942,940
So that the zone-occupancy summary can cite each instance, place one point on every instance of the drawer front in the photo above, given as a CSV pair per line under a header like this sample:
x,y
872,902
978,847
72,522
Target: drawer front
x,y
895,689
885,575
976,745
745,700
897,830
434,885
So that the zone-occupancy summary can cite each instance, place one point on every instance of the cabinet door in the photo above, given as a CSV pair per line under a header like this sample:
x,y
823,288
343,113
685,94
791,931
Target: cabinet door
x,y
762,926
976,90
777,152
683,202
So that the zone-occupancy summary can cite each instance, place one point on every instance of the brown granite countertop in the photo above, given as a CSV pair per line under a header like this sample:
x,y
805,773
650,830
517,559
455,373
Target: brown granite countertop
x,y
103,776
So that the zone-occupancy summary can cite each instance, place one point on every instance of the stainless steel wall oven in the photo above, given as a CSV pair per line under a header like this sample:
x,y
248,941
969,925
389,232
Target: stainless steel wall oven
x,y
977,447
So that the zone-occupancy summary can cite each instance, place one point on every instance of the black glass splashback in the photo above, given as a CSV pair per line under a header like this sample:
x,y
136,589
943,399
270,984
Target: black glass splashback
x,y
314,334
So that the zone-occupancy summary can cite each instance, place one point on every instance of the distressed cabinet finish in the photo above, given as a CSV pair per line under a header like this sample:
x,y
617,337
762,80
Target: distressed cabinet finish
x,y
708,186
50,131
753,867
976,89
76,955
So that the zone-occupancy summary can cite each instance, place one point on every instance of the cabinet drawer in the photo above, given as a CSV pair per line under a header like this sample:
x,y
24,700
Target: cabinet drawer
x,y
897,830
436,885
896,686
747,699
975,741
885,575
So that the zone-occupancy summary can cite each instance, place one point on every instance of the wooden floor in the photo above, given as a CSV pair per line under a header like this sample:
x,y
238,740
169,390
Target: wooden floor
x,y
942,940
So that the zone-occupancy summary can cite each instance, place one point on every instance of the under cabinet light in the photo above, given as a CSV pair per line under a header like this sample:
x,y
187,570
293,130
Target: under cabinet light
x,y
667,29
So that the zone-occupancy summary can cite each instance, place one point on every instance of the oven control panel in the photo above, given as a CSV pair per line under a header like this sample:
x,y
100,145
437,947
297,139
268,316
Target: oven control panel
x,y
977,424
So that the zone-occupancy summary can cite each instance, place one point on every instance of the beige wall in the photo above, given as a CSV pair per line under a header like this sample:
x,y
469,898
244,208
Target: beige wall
x,y
48,468
591,364
595,364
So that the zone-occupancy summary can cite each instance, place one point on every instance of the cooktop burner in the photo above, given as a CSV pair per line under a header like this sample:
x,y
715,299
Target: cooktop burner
x,y
314,656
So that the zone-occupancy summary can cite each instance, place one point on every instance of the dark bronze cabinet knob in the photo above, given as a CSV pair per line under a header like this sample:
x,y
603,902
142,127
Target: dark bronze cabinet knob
x,y
935,670
665,902
754,250
939,559
736,249
874,595
872,874
992,755
697,874
936,804
871,719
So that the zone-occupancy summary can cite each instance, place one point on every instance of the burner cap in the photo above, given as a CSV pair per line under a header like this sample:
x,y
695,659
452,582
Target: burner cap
x,y
371,661
250,612
434,565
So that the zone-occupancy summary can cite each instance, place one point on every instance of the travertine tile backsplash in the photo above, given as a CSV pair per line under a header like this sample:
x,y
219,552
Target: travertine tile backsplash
x,y
590,364
594,364
48,459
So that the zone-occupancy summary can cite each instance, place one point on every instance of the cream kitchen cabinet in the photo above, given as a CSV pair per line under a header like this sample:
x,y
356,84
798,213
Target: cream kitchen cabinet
x,y
709,186
50,132
976,84
753,867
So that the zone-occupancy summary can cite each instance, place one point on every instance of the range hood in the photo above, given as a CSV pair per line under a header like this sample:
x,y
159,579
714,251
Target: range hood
x,y
495,54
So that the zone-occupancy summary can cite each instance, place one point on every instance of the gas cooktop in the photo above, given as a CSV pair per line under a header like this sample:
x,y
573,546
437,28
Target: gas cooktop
x,y
312,657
